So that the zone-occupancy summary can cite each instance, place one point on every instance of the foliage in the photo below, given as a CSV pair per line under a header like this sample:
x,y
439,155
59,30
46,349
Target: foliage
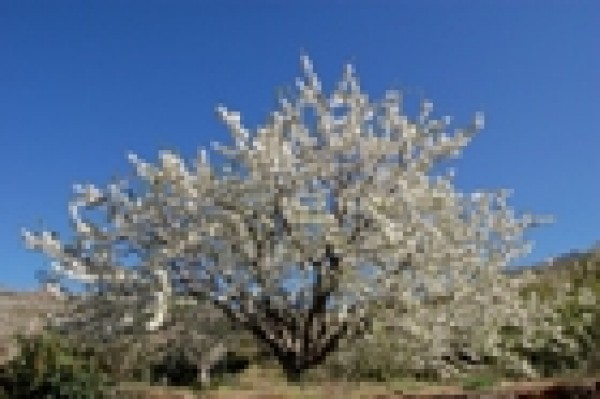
x,y
48,368
326,226
478,382
577,277
136,354
175,369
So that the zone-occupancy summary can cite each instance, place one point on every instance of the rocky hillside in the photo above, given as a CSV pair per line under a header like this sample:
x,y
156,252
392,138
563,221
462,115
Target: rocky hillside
x,y
22,312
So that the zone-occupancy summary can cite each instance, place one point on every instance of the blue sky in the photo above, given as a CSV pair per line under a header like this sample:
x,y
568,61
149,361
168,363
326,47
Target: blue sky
x,y
83,83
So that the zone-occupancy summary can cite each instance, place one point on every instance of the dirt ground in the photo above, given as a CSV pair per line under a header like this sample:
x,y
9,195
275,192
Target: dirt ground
x,y
543,389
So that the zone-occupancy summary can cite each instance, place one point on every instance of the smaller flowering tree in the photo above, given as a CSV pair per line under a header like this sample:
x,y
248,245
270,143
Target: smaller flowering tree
x,y
307,227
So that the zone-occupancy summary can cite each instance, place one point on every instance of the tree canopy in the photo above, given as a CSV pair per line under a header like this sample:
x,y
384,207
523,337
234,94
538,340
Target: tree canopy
x,y
312,220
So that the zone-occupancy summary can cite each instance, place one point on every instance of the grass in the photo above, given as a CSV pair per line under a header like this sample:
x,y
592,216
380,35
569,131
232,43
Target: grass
x,y
268,382
276,389
478,382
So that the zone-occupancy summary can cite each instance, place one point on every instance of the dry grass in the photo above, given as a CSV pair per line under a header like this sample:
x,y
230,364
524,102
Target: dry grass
x,y
268,383
541,389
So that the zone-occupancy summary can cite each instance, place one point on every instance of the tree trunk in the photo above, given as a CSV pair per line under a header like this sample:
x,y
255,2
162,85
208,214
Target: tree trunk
x,y
205,366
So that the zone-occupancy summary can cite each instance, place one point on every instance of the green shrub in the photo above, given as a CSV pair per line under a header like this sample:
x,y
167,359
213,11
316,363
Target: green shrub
x,y
46,367
232,364
174,369
478,382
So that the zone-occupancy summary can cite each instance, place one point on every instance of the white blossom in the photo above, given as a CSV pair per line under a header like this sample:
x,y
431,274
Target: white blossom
x,y
339,194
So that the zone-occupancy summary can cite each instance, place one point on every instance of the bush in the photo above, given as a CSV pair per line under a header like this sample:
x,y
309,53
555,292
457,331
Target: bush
x,y
46,367
177,369
174,369
232,364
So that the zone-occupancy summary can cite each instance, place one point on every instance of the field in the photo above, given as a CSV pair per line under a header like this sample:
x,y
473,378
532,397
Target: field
x,y
272,389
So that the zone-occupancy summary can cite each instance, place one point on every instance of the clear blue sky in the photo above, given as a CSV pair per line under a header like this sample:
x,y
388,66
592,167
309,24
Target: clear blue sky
x,y
82,83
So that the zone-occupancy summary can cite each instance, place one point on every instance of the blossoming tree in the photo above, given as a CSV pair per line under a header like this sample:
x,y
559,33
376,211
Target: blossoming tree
x,y
306,224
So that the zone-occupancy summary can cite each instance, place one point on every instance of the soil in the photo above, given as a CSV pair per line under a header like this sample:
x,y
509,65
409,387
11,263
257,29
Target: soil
x,y
584,388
